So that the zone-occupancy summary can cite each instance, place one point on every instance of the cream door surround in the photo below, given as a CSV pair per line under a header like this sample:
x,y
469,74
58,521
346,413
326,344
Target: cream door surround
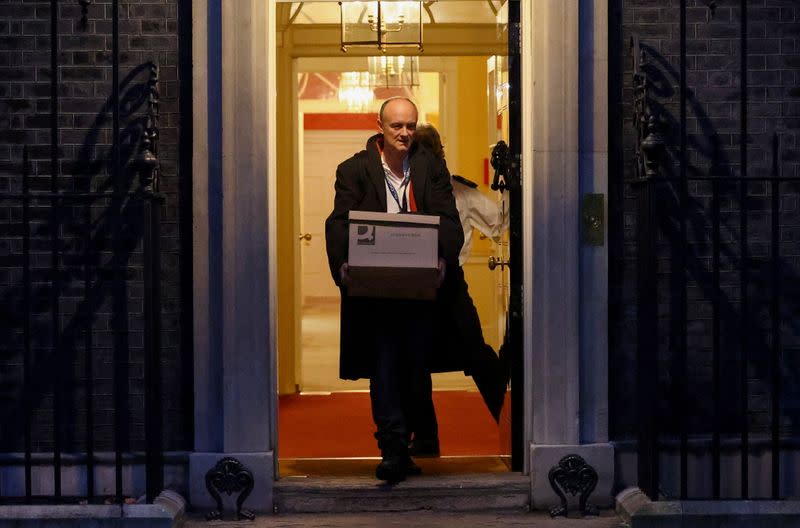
x,y
564,58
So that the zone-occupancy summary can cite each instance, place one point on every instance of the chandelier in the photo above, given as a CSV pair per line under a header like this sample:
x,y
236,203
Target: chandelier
x,y
394,71
355,91
381,23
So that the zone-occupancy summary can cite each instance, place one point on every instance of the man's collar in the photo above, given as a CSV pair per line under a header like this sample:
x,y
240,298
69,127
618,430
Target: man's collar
x,y
406,166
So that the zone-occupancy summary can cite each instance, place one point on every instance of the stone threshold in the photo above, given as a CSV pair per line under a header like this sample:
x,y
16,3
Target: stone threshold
x,y
167,511
639,511
507,492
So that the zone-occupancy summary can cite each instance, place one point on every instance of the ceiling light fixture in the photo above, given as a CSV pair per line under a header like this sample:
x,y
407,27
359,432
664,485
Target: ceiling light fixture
x,y
355,91
381,23
396,71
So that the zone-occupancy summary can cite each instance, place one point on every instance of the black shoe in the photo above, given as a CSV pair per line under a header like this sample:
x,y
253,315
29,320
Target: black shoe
x,y
424,448
491,374
492,383
498,397
495,402
412,469
392,469
505,363
493,390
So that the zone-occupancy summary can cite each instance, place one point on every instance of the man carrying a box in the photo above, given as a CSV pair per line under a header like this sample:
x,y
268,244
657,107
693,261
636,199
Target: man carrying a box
x,y
390,340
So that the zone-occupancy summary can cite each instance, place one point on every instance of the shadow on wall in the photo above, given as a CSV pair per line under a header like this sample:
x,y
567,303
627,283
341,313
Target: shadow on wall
x,y
709,156
111,307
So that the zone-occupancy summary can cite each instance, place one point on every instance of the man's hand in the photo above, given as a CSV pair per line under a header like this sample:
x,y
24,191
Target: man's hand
x,y
344,275
441,268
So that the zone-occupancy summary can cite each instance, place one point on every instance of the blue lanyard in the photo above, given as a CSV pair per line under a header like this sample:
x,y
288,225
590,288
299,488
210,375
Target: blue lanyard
x,y
404,187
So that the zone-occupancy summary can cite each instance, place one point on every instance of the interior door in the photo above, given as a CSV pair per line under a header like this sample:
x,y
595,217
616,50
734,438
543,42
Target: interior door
x,y
322,152
497,80
322,149
504,120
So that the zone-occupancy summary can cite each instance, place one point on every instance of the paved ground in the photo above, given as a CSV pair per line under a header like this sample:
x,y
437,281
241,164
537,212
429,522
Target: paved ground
x,y
421,519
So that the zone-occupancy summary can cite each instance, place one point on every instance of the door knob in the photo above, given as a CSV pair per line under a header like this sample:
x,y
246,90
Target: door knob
x,y
497,261
304,236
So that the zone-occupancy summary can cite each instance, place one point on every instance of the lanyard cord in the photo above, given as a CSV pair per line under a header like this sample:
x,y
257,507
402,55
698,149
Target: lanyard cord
x,y
404,186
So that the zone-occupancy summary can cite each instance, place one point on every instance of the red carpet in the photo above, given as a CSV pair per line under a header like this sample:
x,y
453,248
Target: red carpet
x,y
340,425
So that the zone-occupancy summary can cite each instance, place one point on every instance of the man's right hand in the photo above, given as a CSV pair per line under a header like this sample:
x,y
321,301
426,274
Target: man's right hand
x,y
344,275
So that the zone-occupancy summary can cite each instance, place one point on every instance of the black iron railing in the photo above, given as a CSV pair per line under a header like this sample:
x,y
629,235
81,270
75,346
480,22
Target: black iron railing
x,y
119,207
719,235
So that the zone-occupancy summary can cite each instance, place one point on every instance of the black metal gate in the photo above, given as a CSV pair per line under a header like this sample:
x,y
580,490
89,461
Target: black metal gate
x,y
78,234
716,307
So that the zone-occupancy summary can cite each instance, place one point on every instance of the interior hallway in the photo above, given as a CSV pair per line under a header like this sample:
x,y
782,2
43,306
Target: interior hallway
x,y
326,429
319,365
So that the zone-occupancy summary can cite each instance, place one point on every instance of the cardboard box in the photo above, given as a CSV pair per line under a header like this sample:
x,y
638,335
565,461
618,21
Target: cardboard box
x,y
393,255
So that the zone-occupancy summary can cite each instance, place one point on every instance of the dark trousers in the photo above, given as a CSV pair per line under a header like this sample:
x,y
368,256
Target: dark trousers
x,y
426,427
404,339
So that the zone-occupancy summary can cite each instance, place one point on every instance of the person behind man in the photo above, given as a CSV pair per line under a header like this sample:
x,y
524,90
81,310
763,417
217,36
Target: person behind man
x,y
389,340
457,311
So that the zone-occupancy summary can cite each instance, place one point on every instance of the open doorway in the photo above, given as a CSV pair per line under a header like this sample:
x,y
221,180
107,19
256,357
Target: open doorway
x,y
462,90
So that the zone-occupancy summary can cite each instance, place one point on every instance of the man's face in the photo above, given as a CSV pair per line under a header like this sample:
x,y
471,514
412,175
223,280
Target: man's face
x,y
398,125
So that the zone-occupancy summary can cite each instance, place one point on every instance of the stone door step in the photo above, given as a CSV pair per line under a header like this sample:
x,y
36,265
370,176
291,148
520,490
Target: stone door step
x,y
507,492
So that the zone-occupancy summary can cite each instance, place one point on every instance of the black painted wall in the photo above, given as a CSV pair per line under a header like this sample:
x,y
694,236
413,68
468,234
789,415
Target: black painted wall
x,y
149,32
713,128
155,31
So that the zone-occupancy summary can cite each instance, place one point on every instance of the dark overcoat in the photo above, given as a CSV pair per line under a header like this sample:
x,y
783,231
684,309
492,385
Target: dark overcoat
x,y
360,186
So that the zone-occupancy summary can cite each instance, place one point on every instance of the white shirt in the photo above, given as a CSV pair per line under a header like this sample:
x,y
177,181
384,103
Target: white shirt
x,y
477,211
397,185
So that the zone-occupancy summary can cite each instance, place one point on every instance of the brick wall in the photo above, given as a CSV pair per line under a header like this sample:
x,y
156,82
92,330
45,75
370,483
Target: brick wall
x,y
113,305
713,149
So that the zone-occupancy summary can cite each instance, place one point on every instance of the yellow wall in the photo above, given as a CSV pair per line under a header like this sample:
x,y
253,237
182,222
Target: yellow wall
x,y
472,111
473,148
473,137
